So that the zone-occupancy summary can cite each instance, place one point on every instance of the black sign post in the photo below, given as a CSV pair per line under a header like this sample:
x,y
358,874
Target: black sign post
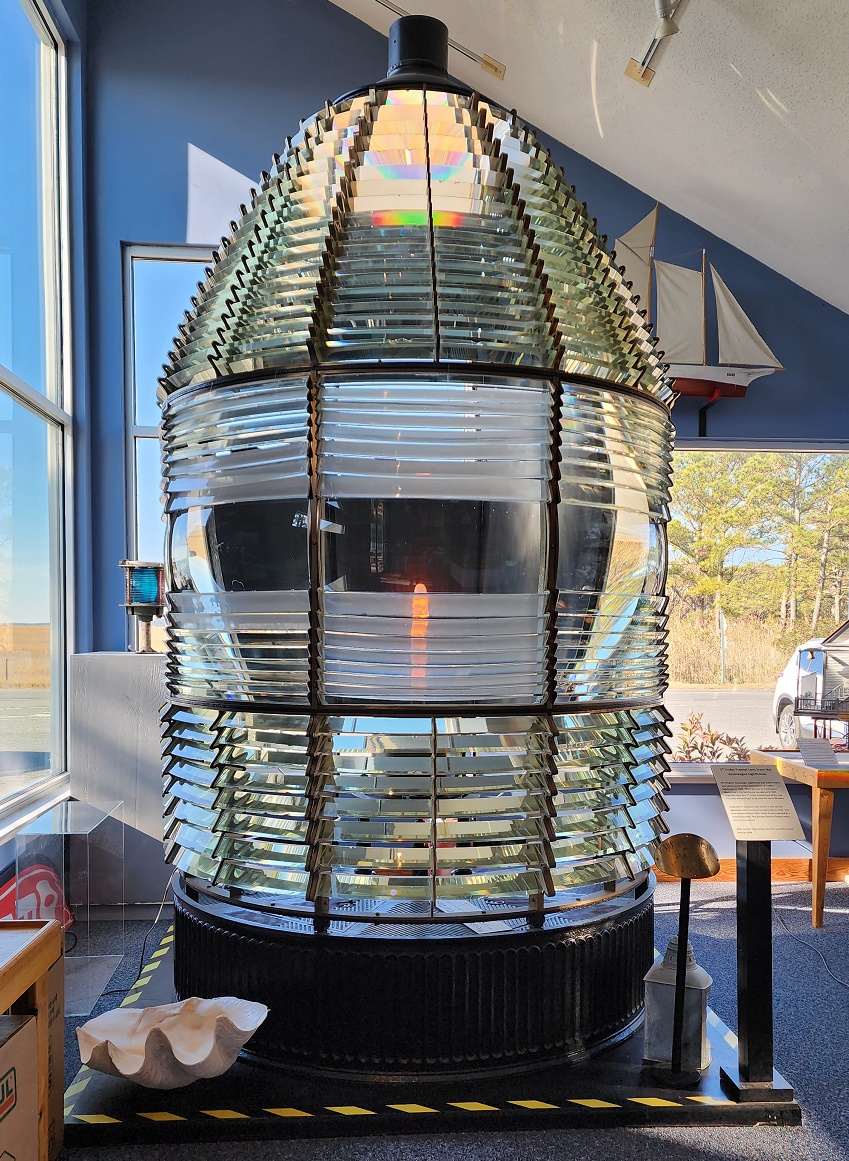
x,y
754,1079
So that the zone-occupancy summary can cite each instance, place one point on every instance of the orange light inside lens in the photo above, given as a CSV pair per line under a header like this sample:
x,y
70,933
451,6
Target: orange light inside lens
x,y
418,633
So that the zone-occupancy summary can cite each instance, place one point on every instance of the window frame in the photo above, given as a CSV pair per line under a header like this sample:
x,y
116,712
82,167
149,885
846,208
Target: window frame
x,y
746,444
693,773
55,405
133,431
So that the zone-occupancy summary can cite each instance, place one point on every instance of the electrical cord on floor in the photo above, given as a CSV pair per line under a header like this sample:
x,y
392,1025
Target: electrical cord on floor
x,y
804,943
730,899
148,933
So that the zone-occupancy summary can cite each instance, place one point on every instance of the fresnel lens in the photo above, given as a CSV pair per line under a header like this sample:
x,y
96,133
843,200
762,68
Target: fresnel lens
x,y
416,447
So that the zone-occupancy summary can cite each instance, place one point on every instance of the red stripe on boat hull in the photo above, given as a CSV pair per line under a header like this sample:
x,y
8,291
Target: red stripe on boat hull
x,y
704,388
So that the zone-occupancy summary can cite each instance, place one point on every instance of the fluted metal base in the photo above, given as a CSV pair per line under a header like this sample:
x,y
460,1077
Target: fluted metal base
x,y
423,1002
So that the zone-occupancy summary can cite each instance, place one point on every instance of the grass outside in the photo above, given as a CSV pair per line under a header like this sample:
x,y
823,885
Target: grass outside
x,y
755,652
24,656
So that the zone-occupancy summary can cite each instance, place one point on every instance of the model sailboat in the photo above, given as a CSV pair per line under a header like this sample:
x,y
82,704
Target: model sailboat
x,y
681,320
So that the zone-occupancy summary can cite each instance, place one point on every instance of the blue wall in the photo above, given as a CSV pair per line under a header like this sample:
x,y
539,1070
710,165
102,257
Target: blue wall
x,y
234,81
807,401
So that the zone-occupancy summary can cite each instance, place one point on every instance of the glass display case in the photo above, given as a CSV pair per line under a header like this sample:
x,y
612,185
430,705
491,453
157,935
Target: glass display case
x,y
69,866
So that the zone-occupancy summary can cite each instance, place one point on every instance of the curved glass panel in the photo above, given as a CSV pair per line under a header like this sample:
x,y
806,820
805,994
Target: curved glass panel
x,y
411,811
611,564
434,538
416,226
247,547
658,564
433,546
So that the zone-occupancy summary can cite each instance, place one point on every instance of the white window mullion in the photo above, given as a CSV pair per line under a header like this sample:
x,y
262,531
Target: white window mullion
x,y
31,398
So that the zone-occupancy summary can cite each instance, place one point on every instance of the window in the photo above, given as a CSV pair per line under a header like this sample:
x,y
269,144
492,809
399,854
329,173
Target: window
x,y
34,396
758,567
160,282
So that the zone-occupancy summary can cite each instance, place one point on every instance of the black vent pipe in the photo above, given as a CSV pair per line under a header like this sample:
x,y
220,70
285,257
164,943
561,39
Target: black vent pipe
x,y
418,44
418,57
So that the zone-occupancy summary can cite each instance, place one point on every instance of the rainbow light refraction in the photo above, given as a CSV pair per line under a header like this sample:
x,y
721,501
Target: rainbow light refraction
x,y
440,218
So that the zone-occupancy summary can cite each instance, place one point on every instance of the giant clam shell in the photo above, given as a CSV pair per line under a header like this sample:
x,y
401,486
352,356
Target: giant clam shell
x,y
170,1045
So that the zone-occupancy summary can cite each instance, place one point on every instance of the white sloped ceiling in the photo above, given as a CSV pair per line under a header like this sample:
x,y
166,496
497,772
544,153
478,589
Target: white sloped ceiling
x,y
745,128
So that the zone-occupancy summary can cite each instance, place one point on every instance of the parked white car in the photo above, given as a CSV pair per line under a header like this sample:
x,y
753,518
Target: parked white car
x,y
787,725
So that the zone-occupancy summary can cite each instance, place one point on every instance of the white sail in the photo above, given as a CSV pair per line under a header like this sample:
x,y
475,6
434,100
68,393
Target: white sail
x,y
680,313
739,342
640,238
637,273
634,252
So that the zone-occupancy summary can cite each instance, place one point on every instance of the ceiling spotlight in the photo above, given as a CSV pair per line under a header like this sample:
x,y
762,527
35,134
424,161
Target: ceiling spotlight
x,y
666,26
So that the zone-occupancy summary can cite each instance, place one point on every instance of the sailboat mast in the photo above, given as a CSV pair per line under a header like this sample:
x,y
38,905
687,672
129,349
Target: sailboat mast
x,y
704,308
651,263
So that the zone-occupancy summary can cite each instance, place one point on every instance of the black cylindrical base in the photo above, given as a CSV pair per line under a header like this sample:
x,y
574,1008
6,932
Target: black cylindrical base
x,y
427,1003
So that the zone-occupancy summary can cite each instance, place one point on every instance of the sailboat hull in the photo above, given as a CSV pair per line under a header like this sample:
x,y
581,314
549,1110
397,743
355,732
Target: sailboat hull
x,y
718,382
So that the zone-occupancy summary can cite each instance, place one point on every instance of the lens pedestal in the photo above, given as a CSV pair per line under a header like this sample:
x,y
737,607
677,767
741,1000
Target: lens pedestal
x,y
436,999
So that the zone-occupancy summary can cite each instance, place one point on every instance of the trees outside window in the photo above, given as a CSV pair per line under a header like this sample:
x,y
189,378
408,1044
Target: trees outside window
x,y
759,556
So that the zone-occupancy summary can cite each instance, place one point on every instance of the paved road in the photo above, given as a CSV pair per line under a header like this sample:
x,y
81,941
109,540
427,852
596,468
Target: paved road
x,y
745,713
24,719
24,737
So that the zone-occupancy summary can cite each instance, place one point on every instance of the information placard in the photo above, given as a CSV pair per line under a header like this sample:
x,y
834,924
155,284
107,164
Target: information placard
x,y
818,754
757,803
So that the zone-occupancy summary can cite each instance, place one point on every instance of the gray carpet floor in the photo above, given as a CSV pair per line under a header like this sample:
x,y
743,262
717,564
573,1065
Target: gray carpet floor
x,y
105,938
811,1048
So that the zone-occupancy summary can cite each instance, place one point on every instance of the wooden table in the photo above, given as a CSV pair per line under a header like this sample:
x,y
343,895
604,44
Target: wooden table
x,y
27,953
823,784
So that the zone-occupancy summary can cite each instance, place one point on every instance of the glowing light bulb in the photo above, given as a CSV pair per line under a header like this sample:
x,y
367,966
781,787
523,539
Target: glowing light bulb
x,y
418,633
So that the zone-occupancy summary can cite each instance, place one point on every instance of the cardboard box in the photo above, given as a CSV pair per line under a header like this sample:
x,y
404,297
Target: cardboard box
x,y
18,1089
55,1057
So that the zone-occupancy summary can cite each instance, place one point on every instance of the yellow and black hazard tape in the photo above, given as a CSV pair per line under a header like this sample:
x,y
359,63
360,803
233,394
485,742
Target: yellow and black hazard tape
x,y
146,974
577,1104
84,1076
587,1103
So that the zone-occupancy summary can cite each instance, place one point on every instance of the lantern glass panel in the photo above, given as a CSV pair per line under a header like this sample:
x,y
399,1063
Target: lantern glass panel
x,y
144,585
248,547
433,546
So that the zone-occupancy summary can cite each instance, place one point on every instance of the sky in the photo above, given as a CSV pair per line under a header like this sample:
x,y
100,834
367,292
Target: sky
x,y
25,563
162,292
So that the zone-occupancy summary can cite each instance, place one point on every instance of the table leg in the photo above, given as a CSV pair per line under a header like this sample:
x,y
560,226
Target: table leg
x,y
39,998
822,803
